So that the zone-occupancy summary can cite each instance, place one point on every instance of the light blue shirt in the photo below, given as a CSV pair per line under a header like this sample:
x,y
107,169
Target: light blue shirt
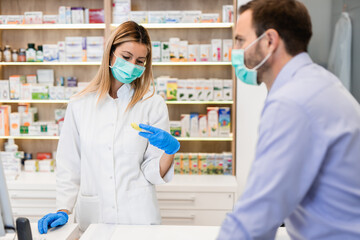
x,y
307,166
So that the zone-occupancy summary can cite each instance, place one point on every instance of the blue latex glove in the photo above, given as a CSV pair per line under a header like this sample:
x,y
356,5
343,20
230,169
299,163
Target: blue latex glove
x,y
160,139
52,220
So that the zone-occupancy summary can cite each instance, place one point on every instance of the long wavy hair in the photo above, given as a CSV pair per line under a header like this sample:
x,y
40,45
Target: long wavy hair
x,y
101,83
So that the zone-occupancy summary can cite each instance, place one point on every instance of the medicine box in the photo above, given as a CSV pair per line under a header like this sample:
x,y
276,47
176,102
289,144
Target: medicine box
x,y
4,90
156,51
50,19
14,124
51,53
227,90
182,90
218,89
183,51
205,50
210,18
227,47
224,121
174,49
171,90
213,121
175,128
194,124
191,91
216,47
173,16
203,129
139,17
228,13
165,52
185,125
193,52
156,16
33,17
191,17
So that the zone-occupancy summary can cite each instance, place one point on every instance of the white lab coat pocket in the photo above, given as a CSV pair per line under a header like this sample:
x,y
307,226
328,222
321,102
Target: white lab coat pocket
x,y
143,204
87,211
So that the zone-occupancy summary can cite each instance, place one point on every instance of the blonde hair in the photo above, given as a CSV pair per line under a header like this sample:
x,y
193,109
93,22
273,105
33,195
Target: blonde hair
x,y
101,83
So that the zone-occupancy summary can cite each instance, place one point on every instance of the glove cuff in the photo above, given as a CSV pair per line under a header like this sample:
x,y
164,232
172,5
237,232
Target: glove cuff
x,y
64,214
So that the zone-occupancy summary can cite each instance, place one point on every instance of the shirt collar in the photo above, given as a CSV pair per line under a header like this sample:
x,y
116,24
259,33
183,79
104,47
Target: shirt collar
x,y
289,70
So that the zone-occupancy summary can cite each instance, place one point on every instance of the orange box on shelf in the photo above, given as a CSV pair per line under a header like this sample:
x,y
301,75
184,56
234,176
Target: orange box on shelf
x,y
43,155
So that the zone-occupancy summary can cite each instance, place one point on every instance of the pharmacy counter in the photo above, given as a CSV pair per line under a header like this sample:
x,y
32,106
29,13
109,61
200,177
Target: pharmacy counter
x,y
158,232
66,232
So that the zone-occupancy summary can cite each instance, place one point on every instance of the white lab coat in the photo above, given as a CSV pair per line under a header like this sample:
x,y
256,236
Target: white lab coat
x,y
104,166
340,53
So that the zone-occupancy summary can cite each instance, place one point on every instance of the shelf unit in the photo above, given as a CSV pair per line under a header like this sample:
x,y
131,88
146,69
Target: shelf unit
x,y
167,102
195,33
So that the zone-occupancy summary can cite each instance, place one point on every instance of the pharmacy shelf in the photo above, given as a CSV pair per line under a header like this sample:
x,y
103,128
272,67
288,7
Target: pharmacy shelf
x,y
31,137
168,102
191,63
200,102
183,139
51,26
98,63
49,63
34,101
205,139
182,25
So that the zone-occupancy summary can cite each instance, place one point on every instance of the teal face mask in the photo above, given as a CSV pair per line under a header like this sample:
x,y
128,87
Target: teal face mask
x,y
125,71
246,75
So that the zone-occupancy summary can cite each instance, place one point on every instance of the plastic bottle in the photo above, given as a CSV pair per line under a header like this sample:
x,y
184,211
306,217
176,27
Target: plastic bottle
x,y
10,146
7,53
14,55
39,54
22,55
30,53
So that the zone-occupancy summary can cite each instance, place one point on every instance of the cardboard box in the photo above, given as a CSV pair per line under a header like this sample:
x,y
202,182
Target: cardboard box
x,y
50,19
227,47
156,51
174,49
227,90
96,16
210,18
171,90
203,128
139,17
4,90
218,89
224,122
208,90
228,13
182,90
162,87
25,91
15,86
185,125
190,89
14,124
194,124
183,51
184,163
77,15
193,164
193,52
33,17
175,128
5,111
165,52
205,52
156,16
173,16
51,53
216,50
40,92
213,121
191,17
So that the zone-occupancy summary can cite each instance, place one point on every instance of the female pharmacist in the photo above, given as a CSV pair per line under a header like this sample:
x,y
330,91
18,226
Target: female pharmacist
x,y
106,170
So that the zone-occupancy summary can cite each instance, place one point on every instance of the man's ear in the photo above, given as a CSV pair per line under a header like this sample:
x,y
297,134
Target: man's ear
x,y
273,39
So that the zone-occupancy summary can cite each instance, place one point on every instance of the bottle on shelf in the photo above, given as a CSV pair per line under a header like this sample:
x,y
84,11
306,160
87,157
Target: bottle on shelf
x,y
30,53
14,55
22,55
10,146
7,53
39,54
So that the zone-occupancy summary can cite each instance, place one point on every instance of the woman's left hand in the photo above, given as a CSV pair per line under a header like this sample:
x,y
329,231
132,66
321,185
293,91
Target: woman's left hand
x,y
160,139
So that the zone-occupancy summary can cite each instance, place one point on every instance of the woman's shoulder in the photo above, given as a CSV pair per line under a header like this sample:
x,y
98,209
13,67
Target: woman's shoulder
x,y
79,101
153,98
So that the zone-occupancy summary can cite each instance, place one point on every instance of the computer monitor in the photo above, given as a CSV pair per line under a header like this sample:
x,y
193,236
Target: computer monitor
x,y
6,218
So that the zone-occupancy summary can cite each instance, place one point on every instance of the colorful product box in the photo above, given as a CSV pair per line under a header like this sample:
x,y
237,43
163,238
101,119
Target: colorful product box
x,y
96,16
193,161
194,124
210,162
175,128
173,16
224,122
181,90
227,47
190,89
5,111
50,19
185,168
51,53
33,17
227,163
162,87
165,52
210,18
14,124
171,90
139,17
228,13
218,168
208,90
202,163
177,163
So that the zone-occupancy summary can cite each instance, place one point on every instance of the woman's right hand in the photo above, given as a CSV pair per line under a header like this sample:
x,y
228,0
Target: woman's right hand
x,y
52,220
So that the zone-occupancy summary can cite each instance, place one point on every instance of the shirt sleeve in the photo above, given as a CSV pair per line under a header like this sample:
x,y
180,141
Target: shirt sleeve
x,y
158,117
286,164
68,163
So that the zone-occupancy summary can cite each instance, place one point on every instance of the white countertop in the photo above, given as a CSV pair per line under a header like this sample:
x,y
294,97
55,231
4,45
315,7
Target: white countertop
x,y
198,183
158,232
66,232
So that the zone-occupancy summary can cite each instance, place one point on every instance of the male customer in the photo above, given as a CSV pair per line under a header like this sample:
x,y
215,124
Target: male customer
x,y
306,172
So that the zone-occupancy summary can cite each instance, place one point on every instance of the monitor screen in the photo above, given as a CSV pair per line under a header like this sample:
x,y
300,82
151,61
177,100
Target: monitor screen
x,y
6,218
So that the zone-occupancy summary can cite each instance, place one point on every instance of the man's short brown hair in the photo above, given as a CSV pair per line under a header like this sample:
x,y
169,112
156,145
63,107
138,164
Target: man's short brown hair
x,y
289,18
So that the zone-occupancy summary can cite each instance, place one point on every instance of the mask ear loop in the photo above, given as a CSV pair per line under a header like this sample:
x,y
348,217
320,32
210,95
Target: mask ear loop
x,y
267,56
114,63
